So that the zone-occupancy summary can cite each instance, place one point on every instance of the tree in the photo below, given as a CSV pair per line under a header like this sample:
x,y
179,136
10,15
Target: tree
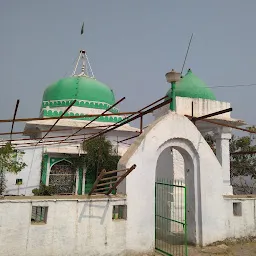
x,y
100,154
10,161
241,165
211,141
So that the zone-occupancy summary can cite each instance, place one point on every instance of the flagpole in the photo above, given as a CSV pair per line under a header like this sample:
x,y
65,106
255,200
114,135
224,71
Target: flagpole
x,y
81,33
82,49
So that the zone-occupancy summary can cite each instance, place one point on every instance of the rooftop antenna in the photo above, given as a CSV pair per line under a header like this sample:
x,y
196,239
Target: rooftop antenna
x,y
86,69
186,53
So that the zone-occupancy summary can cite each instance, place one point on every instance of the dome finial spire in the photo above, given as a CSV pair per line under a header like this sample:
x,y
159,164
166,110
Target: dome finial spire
x,y
86,69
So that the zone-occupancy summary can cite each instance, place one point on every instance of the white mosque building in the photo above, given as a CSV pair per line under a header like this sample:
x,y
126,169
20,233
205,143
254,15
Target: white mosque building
x,y
52,163
172,147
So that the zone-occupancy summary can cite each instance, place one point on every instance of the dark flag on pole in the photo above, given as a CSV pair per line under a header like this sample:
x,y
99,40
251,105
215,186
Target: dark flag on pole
x,y
82,29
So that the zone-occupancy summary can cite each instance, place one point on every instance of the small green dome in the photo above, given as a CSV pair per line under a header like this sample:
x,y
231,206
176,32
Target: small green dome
x,y
79,88
190,86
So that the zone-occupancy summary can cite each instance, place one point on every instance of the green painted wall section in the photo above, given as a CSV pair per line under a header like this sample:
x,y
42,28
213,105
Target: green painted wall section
x,y
80,181
89,180
45,158
54,160
190,86
79,103
55,113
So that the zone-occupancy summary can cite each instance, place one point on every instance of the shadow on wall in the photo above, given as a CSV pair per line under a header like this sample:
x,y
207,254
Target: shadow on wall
x,y
90,213
20,189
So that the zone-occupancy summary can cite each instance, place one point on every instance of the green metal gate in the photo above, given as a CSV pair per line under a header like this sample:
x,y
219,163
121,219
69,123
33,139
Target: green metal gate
x,y
170,218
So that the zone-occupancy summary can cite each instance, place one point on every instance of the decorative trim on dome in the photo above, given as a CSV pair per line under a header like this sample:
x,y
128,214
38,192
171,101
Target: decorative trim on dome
x,y
79,103
55,113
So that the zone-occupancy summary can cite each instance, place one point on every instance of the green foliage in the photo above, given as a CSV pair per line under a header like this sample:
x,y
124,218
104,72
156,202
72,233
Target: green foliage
x,y
244,164
10,161
100,154
43,190
240,164
210,140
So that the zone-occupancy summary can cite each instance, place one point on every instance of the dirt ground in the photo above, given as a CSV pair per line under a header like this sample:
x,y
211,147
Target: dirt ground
x,y
227,248
239,249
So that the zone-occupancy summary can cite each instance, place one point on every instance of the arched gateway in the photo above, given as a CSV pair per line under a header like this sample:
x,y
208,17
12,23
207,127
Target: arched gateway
x,y
203,179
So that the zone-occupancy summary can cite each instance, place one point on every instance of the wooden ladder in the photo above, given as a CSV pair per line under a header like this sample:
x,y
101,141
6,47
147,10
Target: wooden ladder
x,y
112,182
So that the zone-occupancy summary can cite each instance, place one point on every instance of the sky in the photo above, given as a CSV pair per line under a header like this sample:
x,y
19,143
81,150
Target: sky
x,y
131,45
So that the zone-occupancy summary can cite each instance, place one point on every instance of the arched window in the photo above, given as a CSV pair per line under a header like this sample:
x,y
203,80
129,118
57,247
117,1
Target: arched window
x,y
63,178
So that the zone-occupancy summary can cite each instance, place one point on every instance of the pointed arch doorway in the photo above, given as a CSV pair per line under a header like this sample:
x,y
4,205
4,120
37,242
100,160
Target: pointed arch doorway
x,y
62,177
175,220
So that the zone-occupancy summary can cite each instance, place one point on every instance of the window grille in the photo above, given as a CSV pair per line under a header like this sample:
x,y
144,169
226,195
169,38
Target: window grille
x,y
119,212
39,214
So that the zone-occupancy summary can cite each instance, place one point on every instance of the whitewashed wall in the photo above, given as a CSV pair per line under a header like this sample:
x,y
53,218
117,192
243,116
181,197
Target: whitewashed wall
x,y
244,225
30,175
74,227
200,107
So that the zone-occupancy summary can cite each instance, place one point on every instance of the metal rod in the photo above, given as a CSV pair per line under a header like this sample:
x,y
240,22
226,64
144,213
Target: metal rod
x,y
58,130
29,145
95,118
66,117
135,136
186,53
139,111
47,142
134,113
227,125
121,179
194,119
153,103
186,223
68,108
141,124
142,113
14,116
54,137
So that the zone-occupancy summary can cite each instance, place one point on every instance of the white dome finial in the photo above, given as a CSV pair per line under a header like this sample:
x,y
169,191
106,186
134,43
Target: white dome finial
x,y
86,69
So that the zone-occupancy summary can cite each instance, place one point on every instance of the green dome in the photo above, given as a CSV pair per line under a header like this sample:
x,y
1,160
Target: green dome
x,y
79,88
190,86
89,94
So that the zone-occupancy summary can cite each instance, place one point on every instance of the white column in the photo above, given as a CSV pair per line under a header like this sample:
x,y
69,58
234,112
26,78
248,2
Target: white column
x,y
77,180
223,136
83,185
48,171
